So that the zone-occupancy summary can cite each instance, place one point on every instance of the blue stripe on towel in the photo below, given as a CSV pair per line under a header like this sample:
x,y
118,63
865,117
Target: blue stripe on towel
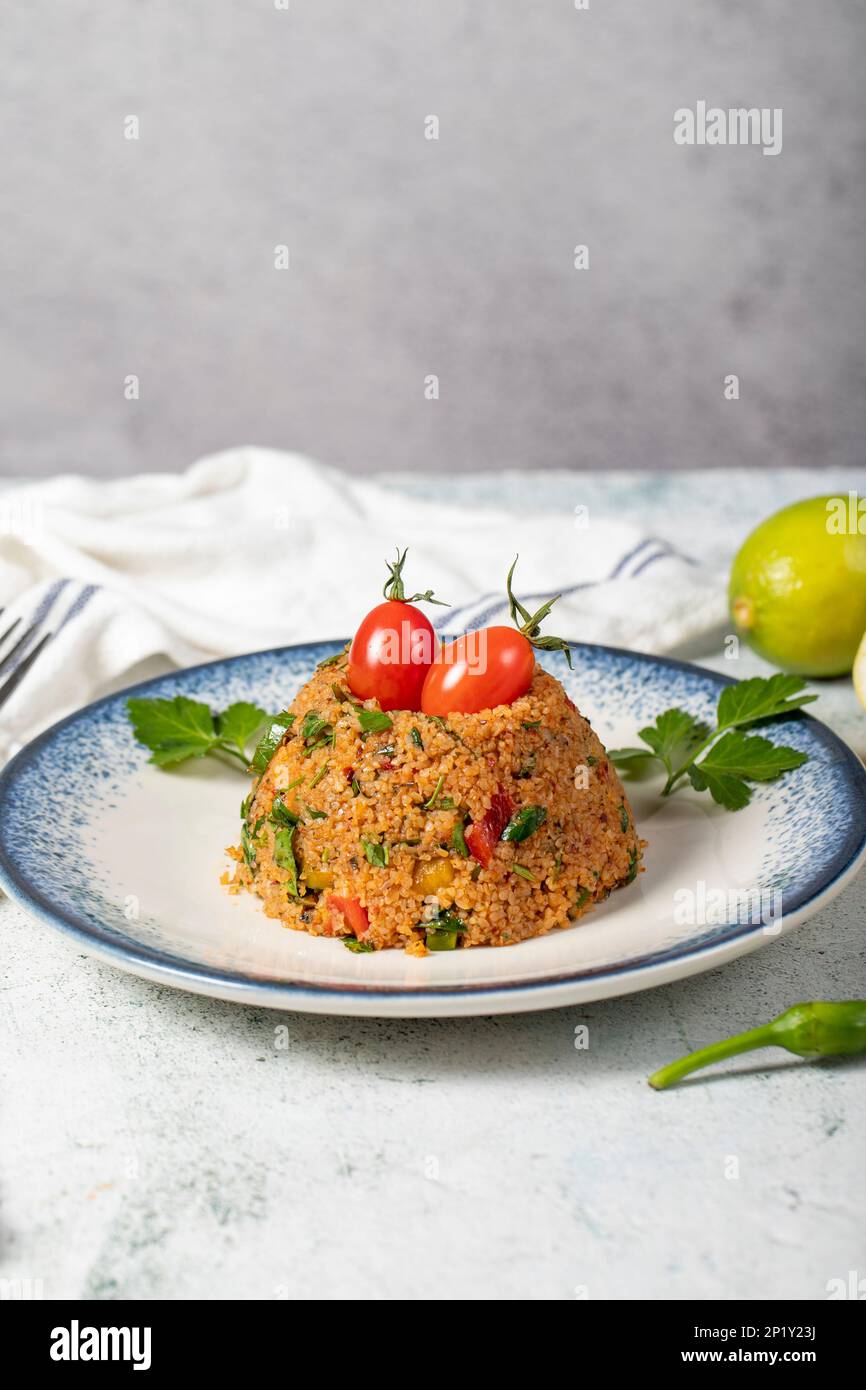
x,y
491,604
81,602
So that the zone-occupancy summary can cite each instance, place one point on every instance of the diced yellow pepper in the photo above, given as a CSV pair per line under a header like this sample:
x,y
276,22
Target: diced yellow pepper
x,y
430,877
318,879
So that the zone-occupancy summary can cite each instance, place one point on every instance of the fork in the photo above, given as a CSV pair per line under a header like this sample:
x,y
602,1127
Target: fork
x,y
19,650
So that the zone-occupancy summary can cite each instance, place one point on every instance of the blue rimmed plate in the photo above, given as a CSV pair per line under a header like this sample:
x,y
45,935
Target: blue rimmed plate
x,y
126,859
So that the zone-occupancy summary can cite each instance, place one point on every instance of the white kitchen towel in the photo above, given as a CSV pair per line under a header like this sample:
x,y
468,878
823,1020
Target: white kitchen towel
x,y
254,548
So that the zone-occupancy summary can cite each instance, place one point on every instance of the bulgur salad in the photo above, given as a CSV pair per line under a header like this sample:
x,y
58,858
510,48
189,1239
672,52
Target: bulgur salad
x,y
433,796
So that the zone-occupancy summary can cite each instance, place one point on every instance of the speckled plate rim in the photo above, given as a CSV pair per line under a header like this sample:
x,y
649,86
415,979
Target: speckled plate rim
x,y
519,996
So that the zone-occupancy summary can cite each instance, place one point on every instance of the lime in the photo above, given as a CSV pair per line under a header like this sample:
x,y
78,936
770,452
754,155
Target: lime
x,y
798,586
859,672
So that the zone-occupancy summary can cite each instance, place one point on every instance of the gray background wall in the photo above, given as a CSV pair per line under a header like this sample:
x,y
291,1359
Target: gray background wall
x,y
410,256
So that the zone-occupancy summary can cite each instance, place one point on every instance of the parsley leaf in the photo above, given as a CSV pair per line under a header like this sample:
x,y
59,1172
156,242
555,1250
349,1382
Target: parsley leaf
x,y
726,788
634,762
524,823
374,721
730,759
267,745
377,854
333,660
181,722
751,756
747,702
673,736
313,725
281,815
739,758
458,838
178,729
239,723
248,847
284,856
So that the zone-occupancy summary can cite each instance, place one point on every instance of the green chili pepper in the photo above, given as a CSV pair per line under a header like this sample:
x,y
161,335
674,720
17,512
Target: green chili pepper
x,y
442,932
809,1030
441,941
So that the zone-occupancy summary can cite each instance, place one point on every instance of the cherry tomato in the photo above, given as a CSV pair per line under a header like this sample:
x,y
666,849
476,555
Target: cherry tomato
x,y
391,655
482,669
354,915
482,835
394,646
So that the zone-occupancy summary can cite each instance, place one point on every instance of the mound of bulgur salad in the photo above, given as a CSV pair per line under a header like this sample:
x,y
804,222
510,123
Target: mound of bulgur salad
x,y
432,832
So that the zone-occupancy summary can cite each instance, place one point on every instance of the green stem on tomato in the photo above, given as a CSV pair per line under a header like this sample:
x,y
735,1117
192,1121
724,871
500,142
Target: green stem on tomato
x,y
530,627
395,589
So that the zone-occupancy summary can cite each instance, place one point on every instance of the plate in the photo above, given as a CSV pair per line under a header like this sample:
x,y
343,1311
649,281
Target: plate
x,y
126,859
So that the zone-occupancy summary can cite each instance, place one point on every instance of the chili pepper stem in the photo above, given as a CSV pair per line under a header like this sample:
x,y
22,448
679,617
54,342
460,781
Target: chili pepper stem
x,y
822,1028
764,1036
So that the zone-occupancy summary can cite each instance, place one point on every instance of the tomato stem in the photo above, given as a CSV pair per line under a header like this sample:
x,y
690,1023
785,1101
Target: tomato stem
x,y
531,625
395,590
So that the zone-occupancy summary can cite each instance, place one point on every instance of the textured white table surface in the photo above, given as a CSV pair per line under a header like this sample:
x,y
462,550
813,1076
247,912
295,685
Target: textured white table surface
x,y
161,1145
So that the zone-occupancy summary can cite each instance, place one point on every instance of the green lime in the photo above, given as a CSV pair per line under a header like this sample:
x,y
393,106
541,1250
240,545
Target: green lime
x,y
798,586
859,672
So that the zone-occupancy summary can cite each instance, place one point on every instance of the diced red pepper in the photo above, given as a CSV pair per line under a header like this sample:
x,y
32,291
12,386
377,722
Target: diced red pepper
x,y
482,836
349,773
353,914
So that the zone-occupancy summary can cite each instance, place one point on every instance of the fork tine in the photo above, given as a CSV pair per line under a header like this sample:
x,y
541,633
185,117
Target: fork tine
x,y
14,650
10,628
9,686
